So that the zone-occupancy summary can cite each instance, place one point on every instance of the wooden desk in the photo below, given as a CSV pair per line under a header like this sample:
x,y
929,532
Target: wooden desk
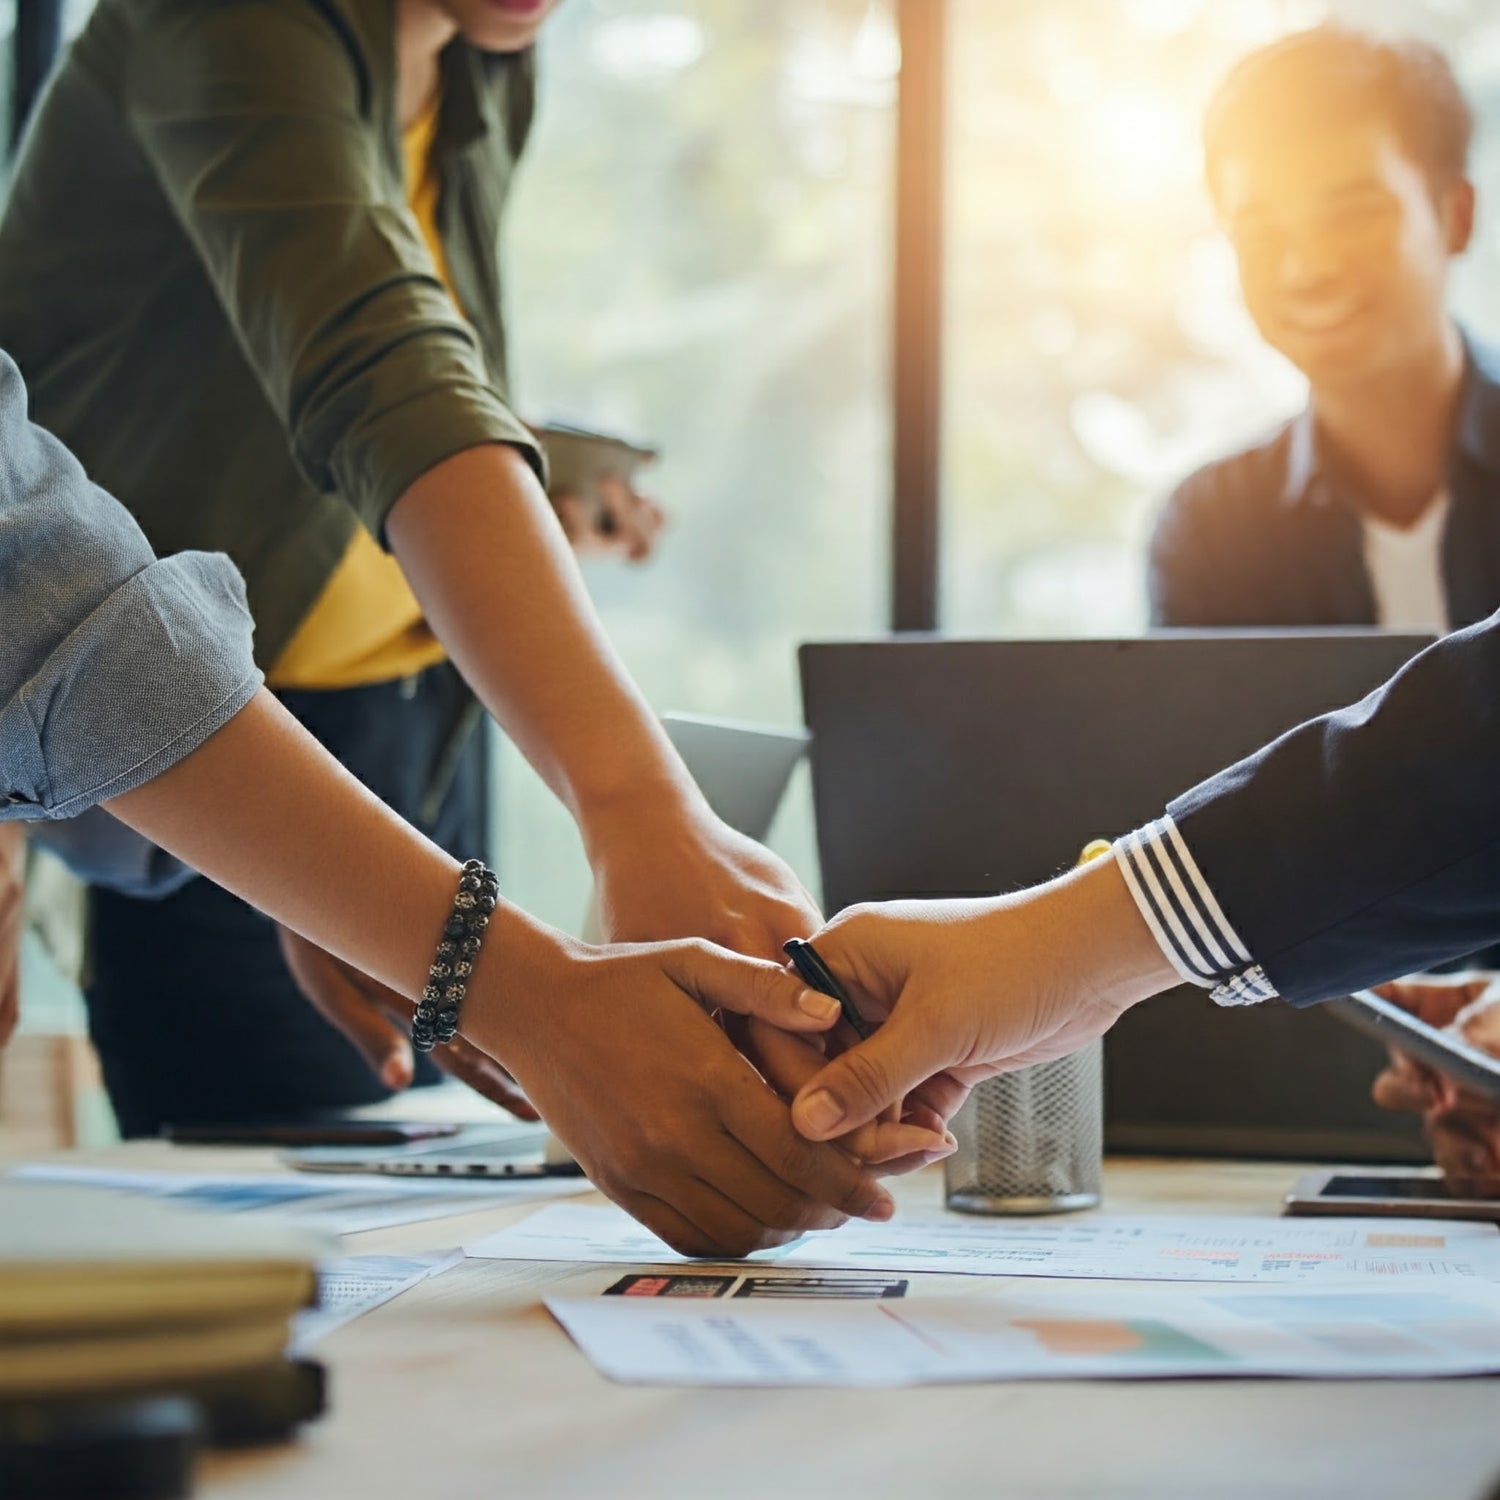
x,y
464,1387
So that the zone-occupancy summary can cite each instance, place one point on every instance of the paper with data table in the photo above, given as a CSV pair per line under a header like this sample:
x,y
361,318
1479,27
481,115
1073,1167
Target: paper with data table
x,y
1145,1248
1038,1332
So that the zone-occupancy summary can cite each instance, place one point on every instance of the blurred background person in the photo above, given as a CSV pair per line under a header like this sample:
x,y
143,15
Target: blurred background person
x,y
1338,165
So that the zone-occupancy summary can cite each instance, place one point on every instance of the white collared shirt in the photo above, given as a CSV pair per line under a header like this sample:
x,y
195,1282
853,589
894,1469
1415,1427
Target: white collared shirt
x,y
1405,564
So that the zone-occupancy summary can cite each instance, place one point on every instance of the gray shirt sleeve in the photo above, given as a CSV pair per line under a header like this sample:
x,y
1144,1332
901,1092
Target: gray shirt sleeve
x,y
114,664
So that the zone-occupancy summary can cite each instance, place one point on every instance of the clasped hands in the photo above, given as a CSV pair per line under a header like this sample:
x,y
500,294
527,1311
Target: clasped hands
x,y
664,1066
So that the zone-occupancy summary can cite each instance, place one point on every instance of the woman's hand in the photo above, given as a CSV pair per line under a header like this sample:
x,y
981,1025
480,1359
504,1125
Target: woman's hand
x,y
903,1138
1464,1129
618,1049
378,1021
674,870
962,990
618,520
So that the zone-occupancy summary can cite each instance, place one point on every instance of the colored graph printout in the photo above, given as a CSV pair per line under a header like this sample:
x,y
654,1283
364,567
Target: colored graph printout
x,y
1111,1330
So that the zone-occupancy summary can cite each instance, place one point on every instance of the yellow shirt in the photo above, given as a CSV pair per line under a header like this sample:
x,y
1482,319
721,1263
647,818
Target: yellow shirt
x,y
367,625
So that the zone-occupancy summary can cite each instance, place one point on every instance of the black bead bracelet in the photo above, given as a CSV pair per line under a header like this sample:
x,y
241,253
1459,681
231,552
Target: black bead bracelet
x,y
436,1016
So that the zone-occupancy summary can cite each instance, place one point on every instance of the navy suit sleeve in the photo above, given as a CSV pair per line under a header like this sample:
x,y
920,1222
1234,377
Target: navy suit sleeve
x,y
1365,844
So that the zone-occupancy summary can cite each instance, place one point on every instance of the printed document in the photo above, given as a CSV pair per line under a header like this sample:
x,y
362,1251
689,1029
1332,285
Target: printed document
x,y
350,1285
1146,1248
338,1203
1109,1331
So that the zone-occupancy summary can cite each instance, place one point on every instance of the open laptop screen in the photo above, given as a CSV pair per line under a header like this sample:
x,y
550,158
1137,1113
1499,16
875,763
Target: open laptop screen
x,y
961,768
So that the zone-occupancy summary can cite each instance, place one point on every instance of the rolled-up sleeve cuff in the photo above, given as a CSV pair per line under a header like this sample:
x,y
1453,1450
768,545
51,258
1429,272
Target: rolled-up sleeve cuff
x,y
159,666
1185,918
392,448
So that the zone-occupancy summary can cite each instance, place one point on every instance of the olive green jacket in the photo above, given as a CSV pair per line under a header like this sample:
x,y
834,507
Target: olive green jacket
x,y
212,283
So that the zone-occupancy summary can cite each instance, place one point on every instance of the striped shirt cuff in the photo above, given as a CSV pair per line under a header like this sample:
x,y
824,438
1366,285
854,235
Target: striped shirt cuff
x,y
1186,920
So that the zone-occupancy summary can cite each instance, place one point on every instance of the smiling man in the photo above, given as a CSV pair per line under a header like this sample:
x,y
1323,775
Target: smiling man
x,y
1337,162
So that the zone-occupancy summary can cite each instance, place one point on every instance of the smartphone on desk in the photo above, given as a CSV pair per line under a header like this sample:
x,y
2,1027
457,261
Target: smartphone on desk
x,y
1391,1192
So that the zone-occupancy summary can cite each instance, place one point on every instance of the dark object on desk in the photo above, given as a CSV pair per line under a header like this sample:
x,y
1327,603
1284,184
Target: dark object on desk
x,y
1374,1192
141,1444
966,768
334,1130
246,1408
130,1448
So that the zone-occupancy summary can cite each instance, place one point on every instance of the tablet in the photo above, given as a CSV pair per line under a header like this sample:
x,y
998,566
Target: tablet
x,y
1469,1067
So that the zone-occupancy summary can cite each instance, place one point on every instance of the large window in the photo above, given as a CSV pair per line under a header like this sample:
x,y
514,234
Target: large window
x,y
1097,349
699,256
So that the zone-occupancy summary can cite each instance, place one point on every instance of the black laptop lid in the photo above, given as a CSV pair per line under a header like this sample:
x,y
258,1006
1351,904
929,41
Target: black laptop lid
x,y
969,767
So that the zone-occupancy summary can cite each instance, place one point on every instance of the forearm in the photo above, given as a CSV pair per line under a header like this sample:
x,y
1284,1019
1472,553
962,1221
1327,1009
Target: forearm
x,y
486,557
263,810
1113,953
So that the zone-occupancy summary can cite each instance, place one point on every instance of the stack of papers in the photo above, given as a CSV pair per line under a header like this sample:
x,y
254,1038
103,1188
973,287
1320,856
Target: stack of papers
x,y
1103,1297
98,1290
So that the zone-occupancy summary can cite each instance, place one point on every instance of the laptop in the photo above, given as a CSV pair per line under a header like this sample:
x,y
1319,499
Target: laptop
x,y
964,768
743,770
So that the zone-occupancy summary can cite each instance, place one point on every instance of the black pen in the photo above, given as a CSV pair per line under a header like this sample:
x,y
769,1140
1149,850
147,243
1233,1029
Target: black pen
x,y
817,975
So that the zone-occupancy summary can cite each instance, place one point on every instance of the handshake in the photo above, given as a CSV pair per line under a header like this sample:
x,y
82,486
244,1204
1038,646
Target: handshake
x,y
729,1107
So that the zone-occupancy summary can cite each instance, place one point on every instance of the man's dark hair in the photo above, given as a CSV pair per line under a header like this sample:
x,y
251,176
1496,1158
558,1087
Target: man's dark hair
x,y
1311,79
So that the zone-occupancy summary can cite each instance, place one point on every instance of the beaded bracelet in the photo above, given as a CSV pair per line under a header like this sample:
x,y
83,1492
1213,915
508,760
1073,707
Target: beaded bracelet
x,y
436,1016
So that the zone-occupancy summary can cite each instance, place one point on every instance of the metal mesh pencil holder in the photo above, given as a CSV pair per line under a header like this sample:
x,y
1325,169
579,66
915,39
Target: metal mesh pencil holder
x,y
1032,1142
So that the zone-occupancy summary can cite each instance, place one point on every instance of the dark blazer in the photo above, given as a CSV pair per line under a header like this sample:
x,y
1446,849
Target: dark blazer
x,y
1365,844
1268,536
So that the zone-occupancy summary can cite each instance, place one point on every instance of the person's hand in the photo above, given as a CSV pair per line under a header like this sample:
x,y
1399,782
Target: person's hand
x,y
618,1049
695,876
1463,1128
378,1021
963,990
683,873
887,1144
619,521
12,923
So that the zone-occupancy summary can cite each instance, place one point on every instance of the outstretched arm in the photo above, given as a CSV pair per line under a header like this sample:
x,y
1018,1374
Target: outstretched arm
x,y
616,1047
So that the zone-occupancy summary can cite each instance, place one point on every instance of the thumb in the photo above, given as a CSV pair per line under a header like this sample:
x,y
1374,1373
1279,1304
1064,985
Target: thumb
x,y
720,980
858,1084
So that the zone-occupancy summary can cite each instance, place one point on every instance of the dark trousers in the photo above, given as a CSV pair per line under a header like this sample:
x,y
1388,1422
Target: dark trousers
x,y
192,1011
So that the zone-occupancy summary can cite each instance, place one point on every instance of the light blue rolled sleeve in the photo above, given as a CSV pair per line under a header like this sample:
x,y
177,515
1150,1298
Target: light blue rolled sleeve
x,y
114,664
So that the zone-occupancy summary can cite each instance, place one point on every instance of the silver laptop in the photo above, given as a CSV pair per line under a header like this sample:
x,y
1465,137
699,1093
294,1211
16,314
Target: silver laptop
x,y
743,770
